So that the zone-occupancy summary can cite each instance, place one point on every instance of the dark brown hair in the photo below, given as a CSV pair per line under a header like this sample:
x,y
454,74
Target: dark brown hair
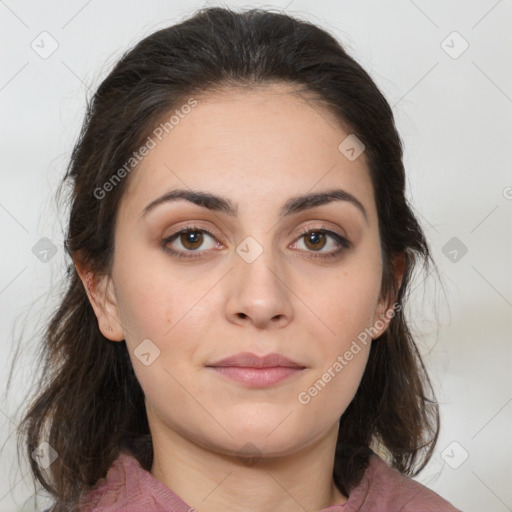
x,y
89,404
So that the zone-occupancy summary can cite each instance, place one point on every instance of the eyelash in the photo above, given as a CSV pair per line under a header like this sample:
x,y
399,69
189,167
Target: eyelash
x,y
342,241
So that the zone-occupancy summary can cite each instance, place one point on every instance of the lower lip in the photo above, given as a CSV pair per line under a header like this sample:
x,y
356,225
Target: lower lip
x,y
257,377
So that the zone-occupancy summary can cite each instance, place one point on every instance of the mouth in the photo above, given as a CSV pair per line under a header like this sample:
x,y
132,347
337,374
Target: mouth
x,y
257,371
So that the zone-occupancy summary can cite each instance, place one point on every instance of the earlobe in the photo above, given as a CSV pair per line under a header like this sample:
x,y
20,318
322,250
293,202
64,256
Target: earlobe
x,y
103,301
387,307
384,314
399,269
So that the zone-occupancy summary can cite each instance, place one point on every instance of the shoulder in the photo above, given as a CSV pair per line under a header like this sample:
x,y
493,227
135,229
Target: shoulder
x,y
109,490
384,489
128,487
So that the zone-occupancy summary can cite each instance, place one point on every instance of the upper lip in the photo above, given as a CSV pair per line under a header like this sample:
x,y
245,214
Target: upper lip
x,y
249,360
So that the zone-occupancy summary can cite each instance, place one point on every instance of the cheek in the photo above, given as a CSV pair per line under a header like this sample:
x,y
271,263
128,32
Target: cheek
x,y
152,301
142,307
346,308
174,312
343,306
342,351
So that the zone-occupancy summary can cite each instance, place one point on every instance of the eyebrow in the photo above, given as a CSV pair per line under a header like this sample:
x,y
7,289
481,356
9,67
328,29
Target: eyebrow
x,y
220,204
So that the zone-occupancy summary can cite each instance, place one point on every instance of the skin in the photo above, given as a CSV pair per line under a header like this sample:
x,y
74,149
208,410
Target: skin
x,y
257,148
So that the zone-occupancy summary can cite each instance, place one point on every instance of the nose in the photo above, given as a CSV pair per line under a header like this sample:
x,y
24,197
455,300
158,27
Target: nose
x,y
258,293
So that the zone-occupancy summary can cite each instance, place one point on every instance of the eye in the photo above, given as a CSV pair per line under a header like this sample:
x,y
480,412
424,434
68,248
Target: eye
x,y
317,239
192,241
188,240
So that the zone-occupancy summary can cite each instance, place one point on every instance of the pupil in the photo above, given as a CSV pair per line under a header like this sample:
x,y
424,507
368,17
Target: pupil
x,y
314,238
192,239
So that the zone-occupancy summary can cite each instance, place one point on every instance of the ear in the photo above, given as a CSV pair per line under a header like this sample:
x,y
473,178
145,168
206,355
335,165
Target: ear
x,y
100,291
387,306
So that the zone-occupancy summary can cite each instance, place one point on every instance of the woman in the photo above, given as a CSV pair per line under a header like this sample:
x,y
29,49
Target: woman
x,y
233,336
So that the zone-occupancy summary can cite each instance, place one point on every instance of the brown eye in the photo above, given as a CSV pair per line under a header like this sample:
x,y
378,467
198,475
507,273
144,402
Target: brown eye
x,y
190,242
315,240
191,239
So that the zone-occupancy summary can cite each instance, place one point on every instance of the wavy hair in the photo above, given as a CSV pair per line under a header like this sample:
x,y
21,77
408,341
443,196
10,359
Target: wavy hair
x,y
89,404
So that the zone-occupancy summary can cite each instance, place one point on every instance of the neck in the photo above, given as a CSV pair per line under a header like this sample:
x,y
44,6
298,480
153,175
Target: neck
x,y
214,482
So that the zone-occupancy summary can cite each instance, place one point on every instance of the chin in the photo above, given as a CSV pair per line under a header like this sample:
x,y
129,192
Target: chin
x,y
261,440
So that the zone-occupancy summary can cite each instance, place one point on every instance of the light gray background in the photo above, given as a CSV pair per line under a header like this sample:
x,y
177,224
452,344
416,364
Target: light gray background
x,y
455,117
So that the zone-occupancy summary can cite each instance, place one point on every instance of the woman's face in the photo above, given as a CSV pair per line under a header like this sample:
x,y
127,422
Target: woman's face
x,y
246,279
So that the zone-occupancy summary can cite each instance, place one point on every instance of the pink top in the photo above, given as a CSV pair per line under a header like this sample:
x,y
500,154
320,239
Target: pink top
x,y
130,488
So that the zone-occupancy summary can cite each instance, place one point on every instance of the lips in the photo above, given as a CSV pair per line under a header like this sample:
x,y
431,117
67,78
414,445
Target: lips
x,y
257,371
249,360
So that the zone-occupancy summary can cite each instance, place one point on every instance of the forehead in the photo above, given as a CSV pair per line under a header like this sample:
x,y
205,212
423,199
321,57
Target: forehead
x,y
254,145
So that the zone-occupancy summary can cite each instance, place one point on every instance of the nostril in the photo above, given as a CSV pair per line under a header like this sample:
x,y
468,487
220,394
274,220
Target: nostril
x,y
242,315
